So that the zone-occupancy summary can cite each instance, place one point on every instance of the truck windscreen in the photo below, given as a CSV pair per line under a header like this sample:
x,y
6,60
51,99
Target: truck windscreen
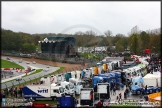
x,y
61,90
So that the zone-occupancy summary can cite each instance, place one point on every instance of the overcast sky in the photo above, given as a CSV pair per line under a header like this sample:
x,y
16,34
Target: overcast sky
x,y
70,17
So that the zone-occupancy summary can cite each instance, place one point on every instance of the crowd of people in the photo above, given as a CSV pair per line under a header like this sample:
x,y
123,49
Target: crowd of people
x,y
12,92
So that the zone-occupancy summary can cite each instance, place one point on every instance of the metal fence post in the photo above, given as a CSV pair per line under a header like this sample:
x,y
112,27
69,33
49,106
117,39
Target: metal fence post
x,y
6,85
24,81
19,82
12,84
36,79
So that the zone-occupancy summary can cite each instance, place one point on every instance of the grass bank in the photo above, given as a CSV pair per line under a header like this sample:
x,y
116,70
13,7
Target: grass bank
x,y
9,64
37,71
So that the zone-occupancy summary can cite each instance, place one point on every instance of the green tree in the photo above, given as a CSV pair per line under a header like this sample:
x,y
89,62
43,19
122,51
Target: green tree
x,y
145,40
119,47
134,44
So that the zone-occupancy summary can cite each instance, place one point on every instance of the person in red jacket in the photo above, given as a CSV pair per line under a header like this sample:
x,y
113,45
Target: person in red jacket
x,y
99,104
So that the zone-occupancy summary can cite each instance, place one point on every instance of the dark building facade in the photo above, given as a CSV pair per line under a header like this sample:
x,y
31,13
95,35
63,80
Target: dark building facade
x,y
58,45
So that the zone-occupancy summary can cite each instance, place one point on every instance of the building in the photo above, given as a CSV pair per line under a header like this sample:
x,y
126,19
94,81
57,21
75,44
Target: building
x,y
58,45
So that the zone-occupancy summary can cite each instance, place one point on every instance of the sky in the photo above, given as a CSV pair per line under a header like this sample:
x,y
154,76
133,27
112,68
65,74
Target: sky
x,y
70,17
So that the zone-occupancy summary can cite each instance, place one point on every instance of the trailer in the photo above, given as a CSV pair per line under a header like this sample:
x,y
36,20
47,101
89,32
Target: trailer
x,y
42,91
87,97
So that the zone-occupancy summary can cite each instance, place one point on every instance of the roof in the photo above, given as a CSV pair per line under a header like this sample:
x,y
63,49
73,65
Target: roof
x,y
62,38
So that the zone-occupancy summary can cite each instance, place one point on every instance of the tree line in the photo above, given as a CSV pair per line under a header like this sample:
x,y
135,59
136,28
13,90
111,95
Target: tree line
x,y
136,40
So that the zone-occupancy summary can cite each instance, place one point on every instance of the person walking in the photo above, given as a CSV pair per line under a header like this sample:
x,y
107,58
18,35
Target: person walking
x,y
117,98
125,95
122,86
114,90
146,88
120,97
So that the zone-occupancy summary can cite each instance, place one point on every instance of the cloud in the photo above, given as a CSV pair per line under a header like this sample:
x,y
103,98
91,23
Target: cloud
x,y
53,17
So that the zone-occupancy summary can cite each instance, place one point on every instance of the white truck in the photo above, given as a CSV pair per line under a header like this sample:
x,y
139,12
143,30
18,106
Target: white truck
x,y
68,89
103,89
77,83
103,93
42,91
87,96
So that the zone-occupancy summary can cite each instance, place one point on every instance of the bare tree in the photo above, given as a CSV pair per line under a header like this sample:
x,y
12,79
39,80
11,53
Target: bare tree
x,y
108,33
90,33
79,33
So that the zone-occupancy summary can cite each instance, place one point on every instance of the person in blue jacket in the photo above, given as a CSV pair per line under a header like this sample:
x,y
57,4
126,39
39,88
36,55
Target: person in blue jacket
x,y
83,73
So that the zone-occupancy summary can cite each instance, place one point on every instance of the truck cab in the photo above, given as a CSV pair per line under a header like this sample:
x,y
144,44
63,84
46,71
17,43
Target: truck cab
x,y
78,84
57,91
68,76
96,79
68,88
118,79
123,76
88,72
78,74
87,97
106,78
137,85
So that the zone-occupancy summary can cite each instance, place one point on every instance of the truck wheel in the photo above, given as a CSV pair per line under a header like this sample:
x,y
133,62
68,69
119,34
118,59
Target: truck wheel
x,y
157,90
138,92
150,91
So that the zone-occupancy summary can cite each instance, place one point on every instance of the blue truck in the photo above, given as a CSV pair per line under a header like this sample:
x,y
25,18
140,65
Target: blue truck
x,y
96,79
137,87
118,79
67,101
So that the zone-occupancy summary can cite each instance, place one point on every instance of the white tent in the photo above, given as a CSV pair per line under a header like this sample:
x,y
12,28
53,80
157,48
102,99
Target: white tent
x,y
151,80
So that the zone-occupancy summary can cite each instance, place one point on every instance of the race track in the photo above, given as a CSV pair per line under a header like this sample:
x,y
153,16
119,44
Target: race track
x,y
28,78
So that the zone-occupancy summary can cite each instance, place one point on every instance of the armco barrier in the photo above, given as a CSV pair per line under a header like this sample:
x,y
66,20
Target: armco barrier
x,y
8,79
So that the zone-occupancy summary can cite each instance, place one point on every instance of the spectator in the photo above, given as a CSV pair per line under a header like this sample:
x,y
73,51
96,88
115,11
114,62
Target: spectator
x,y
111,89
120,96
114,90
124,59
15,93
99,104
21,92
122,86
146,89
117,98
125,95
83,73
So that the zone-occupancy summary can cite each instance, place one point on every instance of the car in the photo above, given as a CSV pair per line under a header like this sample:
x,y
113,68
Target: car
x,y
18,78
27,63
48,66
45,69
34,62
8,58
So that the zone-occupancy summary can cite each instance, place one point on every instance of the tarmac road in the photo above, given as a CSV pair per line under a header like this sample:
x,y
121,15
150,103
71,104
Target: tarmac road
x,y
28,78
